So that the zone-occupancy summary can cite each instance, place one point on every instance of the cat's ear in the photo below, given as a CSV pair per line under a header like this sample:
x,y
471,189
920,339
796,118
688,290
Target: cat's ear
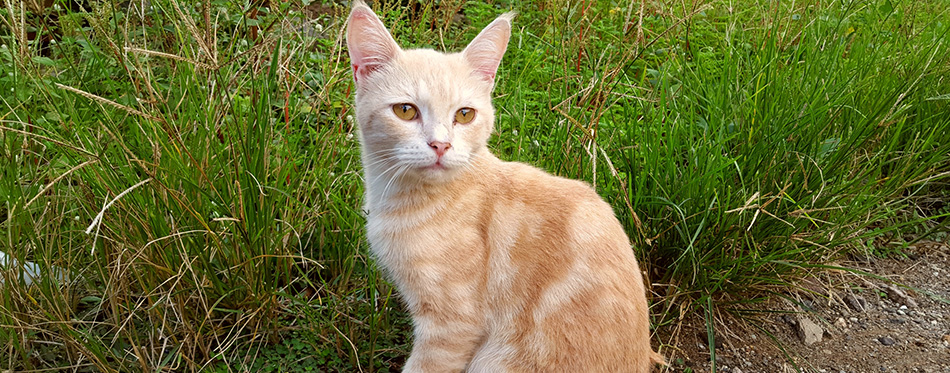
x,y
370,44
485,51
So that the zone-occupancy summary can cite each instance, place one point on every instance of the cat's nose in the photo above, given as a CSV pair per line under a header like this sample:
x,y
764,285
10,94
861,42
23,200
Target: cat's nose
x,y
440,147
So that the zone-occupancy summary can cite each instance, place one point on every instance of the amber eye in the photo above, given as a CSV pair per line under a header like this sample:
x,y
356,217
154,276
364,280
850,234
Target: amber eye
x,y
405,111
465,115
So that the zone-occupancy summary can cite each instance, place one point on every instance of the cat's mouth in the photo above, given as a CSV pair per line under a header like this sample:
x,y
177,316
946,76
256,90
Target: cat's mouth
x,y
437,166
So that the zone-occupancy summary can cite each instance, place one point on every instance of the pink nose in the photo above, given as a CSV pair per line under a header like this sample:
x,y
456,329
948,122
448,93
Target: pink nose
x,y
440,147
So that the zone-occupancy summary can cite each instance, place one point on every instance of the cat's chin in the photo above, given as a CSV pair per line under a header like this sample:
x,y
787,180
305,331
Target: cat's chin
x,y
437,173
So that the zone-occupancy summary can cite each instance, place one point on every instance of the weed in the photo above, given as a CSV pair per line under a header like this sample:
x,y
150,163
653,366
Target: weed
x,y
217,174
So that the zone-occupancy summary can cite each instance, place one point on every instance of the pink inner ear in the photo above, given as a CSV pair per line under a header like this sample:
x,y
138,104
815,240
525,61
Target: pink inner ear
x,y
484,53
370,44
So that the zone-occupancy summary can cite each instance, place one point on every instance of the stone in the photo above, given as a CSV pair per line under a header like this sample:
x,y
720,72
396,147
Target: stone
x,y
887,341
841,323
809,332
790,320
29,272
899,296
856,302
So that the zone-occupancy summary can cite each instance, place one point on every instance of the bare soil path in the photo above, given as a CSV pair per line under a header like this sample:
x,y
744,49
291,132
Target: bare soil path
x,y
840,322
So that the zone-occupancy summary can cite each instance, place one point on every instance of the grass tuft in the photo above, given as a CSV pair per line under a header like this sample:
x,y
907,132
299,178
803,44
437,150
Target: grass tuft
x,y
187,179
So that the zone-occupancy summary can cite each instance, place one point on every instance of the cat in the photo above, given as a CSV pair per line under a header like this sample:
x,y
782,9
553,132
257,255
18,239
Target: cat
x,y
503,267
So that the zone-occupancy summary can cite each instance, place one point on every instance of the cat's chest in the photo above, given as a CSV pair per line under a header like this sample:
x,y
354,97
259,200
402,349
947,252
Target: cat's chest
x,y
409,233
422,237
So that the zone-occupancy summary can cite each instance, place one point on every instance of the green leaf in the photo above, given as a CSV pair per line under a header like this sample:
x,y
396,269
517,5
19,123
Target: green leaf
x,y
90,299
44,61
886,7
53,116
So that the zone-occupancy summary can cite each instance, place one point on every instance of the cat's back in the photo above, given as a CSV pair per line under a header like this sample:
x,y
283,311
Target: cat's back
x,y
520,181
572,208
565,285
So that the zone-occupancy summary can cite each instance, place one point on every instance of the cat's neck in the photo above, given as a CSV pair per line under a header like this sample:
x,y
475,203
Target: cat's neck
x,y
390,191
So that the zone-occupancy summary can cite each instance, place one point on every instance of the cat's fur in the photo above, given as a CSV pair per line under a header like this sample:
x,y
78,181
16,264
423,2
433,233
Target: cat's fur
x,y
503,267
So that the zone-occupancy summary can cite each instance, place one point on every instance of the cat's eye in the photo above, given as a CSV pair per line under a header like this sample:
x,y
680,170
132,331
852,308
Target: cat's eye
x,y
405,111
464,115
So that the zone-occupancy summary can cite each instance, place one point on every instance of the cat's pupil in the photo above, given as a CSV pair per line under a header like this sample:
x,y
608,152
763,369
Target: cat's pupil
x,y
405,111
464,115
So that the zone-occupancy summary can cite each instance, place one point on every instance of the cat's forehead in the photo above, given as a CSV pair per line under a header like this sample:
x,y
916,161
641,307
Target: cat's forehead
x,y
436,75
431,62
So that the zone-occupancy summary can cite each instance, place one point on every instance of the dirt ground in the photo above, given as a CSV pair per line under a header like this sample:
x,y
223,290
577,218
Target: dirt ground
x,y
839,322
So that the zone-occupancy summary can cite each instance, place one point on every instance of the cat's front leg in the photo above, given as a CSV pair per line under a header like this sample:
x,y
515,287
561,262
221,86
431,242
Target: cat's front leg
x,y
443,343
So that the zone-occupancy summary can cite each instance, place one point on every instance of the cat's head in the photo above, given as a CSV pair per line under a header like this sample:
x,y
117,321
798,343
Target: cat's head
x,y
422,113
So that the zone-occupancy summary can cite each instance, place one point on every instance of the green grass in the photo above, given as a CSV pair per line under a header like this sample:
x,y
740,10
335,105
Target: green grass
x,y
742,143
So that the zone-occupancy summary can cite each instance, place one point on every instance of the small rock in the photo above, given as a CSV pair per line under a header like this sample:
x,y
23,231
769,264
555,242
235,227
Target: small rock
x,y
840,323
887,341
899,296
29,272
736,370
790,320
946,340
808,305
809,332
856,302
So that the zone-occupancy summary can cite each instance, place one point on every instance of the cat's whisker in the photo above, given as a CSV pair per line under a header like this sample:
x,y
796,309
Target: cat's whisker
x,y
382,157
382,160
397,173
385,153
382,174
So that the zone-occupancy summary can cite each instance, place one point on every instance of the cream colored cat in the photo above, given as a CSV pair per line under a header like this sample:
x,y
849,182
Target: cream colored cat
x,y
504,268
